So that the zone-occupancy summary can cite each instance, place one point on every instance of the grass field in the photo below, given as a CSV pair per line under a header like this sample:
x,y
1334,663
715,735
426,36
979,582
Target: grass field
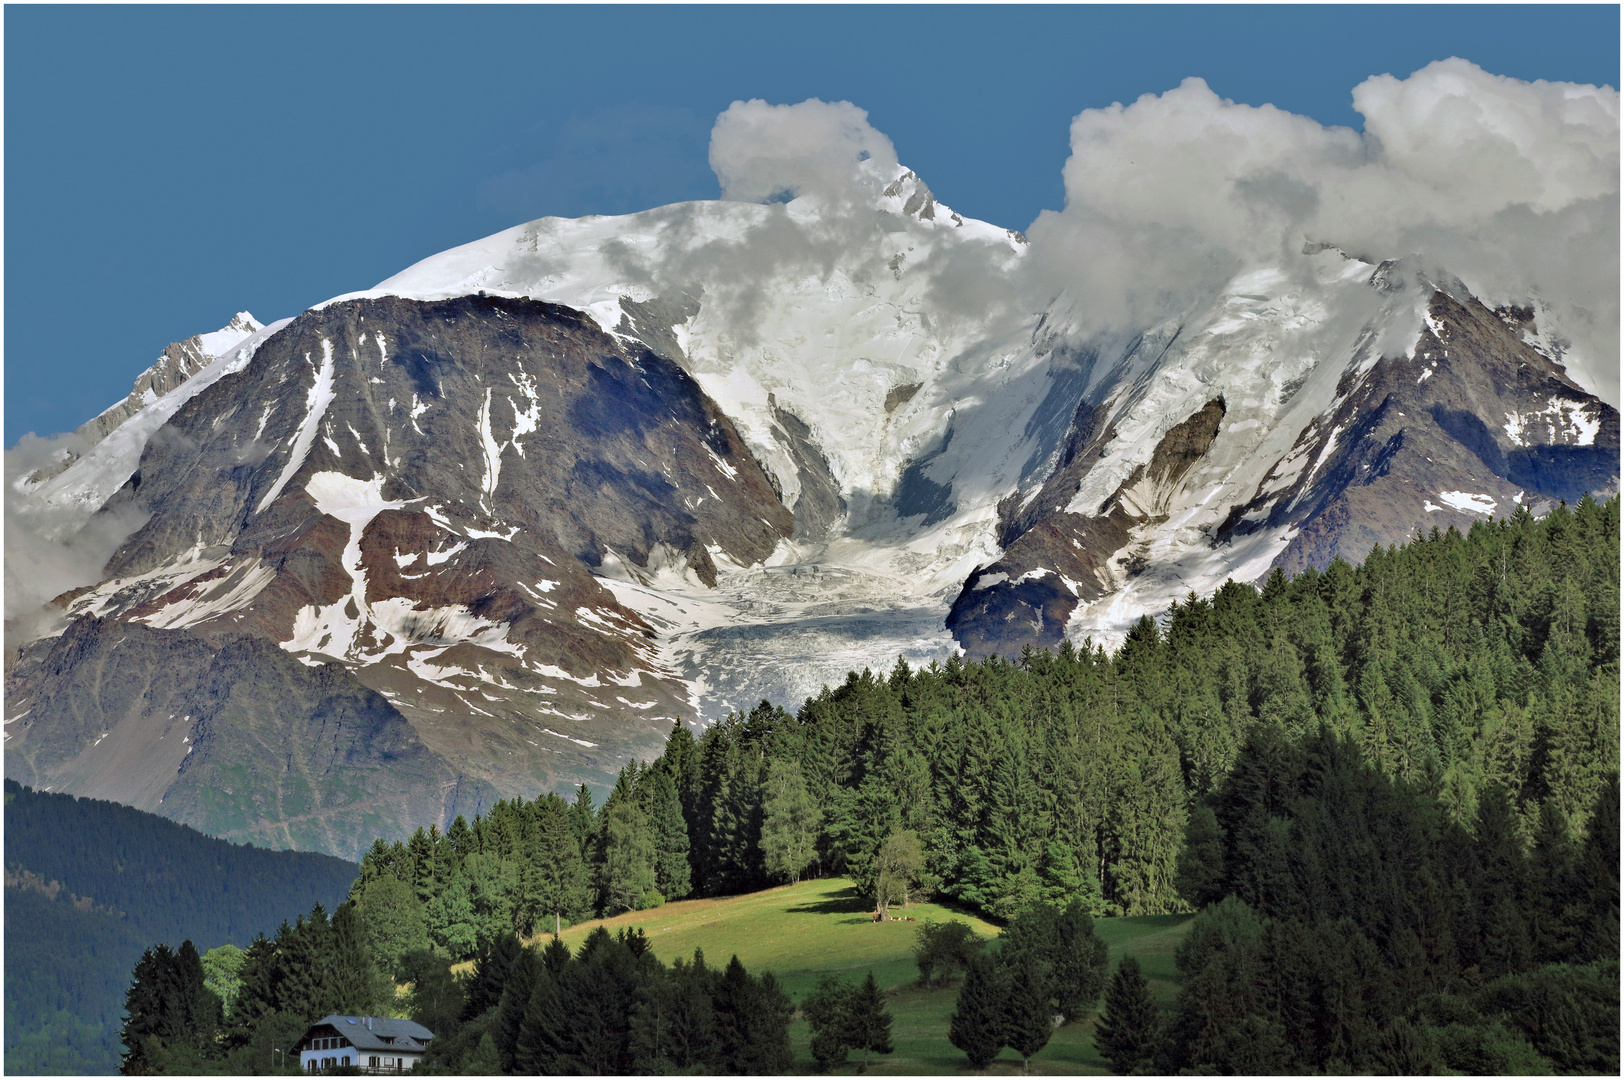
x,y
802,932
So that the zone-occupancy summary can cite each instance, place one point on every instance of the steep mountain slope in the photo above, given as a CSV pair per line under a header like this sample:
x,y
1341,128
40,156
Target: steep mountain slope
x,y
491,526
1293,420
410,494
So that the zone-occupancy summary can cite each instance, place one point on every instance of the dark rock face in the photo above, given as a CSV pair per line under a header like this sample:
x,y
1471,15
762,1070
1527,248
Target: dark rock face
x,y
514,412
371,554
1477,421
1057,559
819,505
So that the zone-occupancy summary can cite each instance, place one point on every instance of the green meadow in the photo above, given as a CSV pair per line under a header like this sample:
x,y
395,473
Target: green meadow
x,y
802,932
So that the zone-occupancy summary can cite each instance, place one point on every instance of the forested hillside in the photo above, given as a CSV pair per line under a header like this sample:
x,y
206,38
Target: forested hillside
x,y
90,884
1459,664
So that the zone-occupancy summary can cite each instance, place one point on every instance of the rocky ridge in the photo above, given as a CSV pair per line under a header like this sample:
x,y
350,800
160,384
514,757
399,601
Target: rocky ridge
x,y
492,526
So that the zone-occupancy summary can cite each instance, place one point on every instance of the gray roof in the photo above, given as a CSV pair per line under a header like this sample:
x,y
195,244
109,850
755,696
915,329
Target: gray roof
x,y
379,1033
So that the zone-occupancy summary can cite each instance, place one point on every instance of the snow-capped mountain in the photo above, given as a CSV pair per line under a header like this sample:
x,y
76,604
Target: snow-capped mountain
x,y
490,526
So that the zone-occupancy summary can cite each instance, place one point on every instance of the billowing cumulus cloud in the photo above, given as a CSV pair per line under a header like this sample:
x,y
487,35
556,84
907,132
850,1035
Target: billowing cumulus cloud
x,y
1510,185
763,152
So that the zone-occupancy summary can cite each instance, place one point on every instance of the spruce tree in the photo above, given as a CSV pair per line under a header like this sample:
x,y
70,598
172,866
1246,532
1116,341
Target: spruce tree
x,y
491,971
1128,1030
657,794
1028,1006
691,1023
1598,885
870,1021
1078,963
977,1026
583,822
147,1022
534,1047
358,987
437,997
627,857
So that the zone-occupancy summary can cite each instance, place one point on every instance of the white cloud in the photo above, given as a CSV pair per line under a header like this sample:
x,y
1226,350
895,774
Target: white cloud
x,y
763,152
1510,185
40,563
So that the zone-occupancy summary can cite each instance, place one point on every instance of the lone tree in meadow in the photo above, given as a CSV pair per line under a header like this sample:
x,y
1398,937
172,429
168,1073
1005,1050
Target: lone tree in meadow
x,y
828,1013
943,949
845,1017
898,868
977,1026
870,1021
1028,1012
1127,1032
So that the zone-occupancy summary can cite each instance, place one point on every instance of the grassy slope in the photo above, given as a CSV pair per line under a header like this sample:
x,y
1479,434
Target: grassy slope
x,y
801,932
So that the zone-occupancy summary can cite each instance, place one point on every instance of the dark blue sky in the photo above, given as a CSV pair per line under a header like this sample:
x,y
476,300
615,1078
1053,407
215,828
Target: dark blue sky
x,y
168,166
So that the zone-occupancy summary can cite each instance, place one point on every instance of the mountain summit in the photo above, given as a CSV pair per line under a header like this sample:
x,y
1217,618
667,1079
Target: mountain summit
x,y
492,526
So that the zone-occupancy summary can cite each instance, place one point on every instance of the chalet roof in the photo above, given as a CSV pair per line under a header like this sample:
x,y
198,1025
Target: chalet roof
x,y
380,1033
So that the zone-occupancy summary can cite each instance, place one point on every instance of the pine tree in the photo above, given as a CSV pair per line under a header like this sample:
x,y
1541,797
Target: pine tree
x,y
437,997
358,987
977,1026
555,886
149,1017
1502,941
691,1024
491,969
828,1012
534,1047
1597,873
484,1061
1078,963
657,794
734,999
518,990
1028,1008
870,1021
673,1022
583,822
306,957
258,988
1128,1031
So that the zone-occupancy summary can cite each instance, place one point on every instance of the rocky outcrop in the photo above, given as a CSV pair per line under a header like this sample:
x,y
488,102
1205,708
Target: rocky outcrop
x,y
1473,424
1025,599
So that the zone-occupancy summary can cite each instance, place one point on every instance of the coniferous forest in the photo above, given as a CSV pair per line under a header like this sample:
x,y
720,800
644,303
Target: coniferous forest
x,y
1390,791
90,884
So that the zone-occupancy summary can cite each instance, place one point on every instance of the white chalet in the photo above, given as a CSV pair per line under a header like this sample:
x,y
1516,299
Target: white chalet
x,y
374,1044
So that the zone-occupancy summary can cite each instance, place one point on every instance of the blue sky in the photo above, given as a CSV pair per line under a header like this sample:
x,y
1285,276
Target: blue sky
x,y
166,167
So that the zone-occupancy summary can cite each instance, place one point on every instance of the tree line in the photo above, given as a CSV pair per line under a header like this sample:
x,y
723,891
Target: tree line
x,y
1461,664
